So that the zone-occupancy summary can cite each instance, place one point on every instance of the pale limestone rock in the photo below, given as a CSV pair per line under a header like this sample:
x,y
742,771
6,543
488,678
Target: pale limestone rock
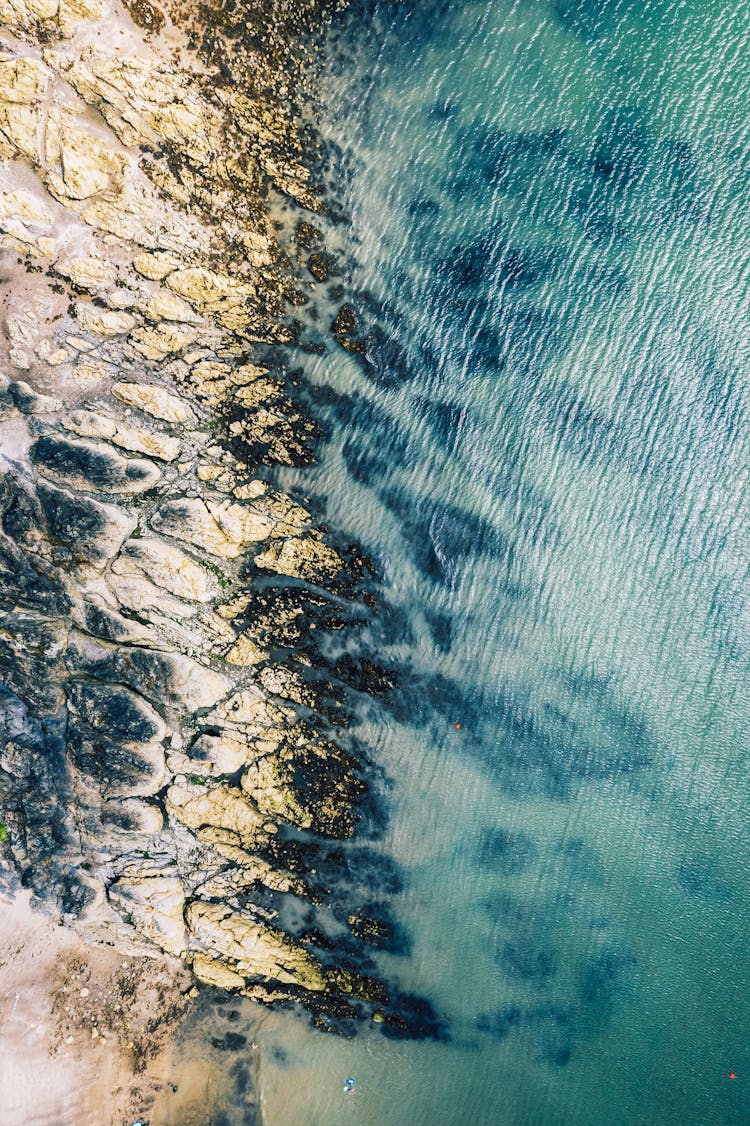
x,y
22,219
71,13
209,472
221,754
160,446
252,710
88,273
157,265
303,557
209,291
190,520
222,528
81,344
138,215
246,653
147,818
195,685
210,972
91,425
211,378
105,322
58,356
23,12
251,491
66,14
22,328
246,871
234,607
135,592
290,516
162,341
251,717
156,905
154,400
20,131
166,306
250,948
169,568
144,101
218,806
245,524
169,677
284,682
23,81
266,781
87,165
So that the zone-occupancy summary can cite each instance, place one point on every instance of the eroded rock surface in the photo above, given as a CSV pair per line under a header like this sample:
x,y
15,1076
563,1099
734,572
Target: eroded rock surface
x,y
165,767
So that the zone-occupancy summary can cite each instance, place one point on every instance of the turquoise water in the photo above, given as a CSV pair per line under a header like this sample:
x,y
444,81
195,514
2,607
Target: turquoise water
x,y
546,454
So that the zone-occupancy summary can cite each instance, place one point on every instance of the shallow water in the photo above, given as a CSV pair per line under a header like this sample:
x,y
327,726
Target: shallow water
x,y
547,458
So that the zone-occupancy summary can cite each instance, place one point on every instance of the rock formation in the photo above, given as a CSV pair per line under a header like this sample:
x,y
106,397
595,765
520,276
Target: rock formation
x,y
164,768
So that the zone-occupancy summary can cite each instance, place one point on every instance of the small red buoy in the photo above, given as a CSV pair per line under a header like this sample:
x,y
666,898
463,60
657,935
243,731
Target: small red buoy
x,y
732,1075
458,727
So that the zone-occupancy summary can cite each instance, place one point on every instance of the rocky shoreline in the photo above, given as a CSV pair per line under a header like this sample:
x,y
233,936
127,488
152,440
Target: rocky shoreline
x,y
175,773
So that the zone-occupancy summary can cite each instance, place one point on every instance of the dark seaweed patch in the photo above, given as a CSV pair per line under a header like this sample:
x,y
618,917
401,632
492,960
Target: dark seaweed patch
x,y
699,876
621,149
510,161
557,742
374,924
549,1029
443,419
606,979
440,626
230,1042
413,1018
508,852
441,536
72,520
240,1073
526,959
100,469
113,710
582,861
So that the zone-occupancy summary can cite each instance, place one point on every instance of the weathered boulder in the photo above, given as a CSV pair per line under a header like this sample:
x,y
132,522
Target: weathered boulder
x,y
154,400
216,806
222,528
155,906
153,443
301,557
251,949
167,567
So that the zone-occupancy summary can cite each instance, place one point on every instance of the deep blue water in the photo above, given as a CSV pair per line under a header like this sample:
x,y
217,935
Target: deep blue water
x,y
544,237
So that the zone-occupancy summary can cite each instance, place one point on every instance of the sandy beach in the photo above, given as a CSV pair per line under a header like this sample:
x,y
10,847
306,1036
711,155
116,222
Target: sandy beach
x,y
91,1037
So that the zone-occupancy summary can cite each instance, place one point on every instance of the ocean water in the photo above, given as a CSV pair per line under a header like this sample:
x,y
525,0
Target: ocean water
x,y
545,229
